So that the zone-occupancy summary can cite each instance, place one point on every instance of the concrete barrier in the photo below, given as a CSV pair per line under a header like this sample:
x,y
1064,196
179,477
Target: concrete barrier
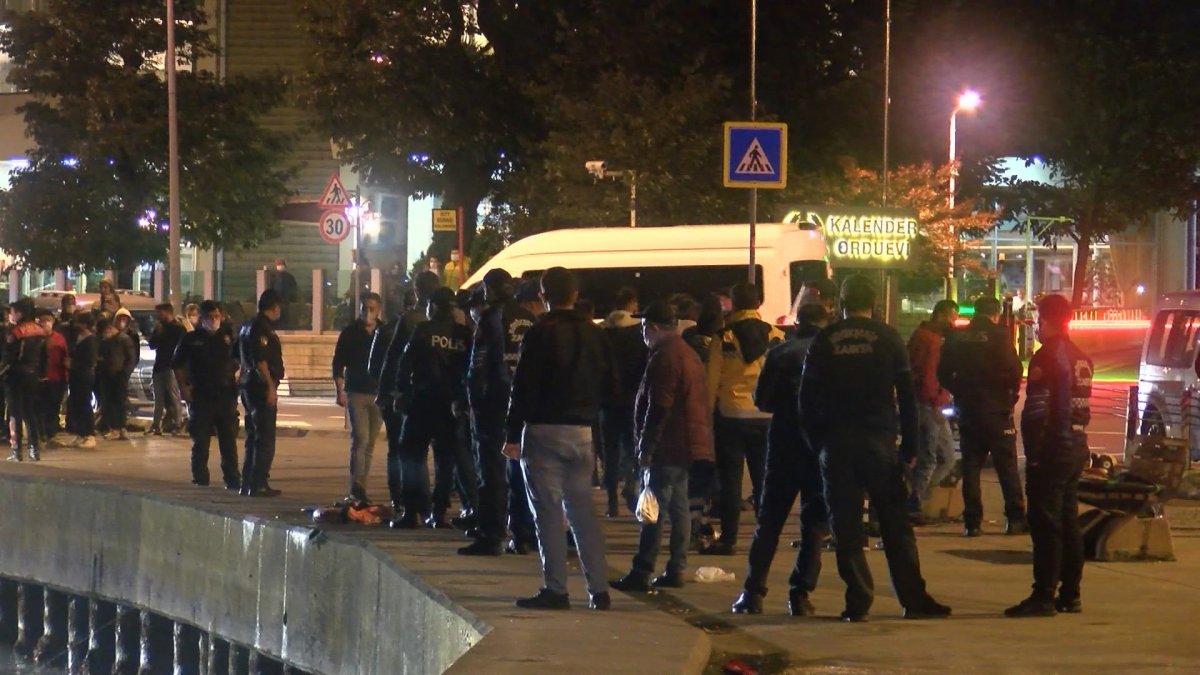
x,y
311,600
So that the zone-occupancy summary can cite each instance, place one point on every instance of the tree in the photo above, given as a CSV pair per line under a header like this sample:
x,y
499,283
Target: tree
x,y
945,233
94,193
1118,85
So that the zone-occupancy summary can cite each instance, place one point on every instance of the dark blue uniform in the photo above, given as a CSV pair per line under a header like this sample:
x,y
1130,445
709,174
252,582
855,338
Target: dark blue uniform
x,y
1053,428
207,360
855,374
494,354
257,343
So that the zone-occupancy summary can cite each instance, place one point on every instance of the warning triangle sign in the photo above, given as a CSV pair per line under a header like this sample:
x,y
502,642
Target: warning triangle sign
x,y
334,195
755,161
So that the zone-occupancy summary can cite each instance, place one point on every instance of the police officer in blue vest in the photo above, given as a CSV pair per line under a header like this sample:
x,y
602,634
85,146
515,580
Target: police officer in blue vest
x,y
260,355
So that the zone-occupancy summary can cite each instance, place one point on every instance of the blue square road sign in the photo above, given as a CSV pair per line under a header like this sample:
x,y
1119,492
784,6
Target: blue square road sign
x,y
755,155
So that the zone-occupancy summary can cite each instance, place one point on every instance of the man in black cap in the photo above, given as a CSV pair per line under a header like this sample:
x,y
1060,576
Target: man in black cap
x,y
979,365
207,375
494,353
430,385
1053,428
260,355
855,374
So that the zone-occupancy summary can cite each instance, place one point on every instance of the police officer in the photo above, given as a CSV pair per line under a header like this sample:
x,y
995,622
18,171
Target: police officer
x,y
207,375
430,385
494,353
1053,429
855,374
979,365
261,360
792,469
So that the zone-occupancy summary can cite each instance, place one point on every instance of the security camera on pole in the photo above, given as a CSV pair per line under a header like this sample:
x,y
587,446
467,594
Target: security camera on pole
x,y
599,170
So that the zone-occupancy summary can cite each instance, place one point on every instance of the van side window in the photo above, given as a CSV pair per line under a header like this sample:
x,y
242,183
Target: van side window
x,y
1172,341
600,285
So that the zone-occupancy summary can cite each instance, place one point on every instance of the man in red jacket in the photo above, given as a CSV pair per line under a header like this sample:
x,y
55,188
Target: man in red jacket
x,y
673,427
935,453
54,388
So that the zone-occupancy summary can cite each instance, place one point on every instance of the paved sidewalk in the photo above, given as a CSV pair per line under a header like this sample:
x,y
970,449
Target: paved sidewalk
x,y
1138,616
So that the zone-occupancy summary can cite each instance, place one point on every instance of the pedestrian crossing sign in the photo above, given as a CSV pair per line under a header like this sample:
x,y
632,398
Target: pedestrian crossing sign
x,y
755,155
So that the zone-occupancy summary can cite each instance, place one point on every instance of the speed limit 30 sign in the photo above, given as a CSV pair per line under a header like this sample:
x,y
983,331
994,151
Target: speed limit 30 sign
x,y
333,226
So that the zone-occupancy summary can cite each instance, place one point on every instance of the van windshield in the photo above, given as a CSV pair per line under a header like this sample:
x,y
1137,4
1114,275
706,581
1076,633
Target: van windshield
x,y
804,271
601,285
1172,341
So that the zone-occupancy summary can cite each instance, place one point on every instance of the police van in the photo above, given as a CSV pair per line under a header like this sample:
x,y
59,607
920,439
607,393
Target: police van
x,y
659,261
1169,374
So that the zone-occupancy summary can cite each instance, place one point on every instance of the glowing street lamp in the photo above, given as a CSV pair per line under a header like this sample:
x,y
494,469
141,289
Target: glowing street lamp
x,y
967,101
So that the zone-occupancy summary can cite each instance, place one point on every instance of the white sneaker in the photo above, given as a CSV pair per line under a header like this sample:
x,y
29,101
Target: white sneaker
x,y
86,442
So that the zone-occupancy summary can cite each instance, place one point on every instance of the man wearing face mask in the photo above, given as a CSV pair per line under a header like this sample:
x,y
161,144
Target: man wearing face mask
x,y
356,390
261,359
207,375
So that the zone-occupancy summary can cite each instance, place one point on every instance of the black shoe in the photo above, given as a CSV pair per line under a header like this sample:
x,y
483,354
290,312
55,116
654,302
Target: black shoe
x,y
972,531
1065,606
1016,526
545,599
719,547
233,485
437,522
517,547
266,492
854,617
748,603
917,519
614,506
1031,606
600,601
245,491
405,522
799,604
466,520
474,533
16,456
632,583
928,608
482,547
668,580
202,482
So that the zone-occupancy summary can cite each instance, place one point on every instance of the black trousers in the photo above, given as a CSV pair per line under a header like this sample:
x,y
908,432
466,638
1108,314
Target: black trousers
x,y
214,414
80,420
793,469
260,438
740,443
393,424
1053,491
426,422
520,514
492,504
858,463
994,435
113,392
466,468
616,427
24,420
50,406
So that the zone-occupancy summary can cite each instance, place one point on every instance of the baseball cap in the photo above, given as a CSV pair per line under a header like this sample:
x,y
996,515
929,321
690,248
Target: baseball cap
x,y
659,312
497,278
528,291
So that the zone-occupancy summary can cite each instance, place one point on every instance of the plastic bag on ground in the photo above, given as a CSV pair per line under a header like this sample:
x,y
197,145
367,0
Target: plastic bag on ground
x,y
712,575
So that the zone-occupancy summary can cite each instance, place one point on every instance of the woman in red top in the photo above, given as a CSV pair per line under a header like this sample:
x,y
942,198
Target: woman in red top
x,y
54,387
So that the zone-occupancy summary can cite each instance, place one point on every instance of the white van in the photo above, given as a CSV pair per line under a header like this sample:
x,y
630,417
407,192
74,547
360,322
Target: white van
x,y
1168,389
658,261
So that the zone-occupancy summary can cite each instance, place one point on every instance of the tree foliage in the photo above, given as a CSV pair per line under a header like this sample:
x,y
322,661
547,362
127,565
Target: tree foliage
x,y
94,193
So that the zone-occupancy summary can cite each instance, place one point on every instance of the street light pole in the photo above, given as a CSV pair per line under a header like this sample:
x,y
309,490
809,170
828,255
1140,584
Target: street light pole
x,y
751,272
174,276
969,100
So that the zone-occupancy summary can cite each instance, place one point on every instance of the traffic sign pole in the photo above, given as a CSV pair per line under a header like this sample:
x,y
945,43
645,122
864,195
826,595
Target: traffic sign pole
x,y
751,273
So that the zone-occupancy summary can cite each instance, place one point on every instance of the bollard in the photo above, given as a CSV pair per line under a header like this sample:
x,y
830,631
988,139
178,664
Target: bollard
x,y
239,660
126,653
8,611
187,649
51,648
156,648
102,638
218,655
29,619
77,634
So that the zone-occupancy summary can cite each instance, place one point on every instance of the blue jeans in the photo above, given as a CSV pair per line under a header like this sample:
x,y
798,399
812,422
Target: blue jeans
x,y
935,454
669,485
558,462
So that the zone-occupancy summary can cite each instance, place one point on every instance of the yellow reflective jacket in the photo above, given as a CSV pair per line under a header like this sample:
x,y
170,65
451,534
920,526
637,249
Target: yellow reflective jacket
x,y
736,361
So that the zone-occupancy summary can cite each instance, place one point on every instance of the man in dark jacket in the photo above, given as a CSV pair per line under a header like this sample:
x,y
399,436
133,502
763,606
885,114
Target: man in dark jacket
x,y
164,339
208,376
674,427
935,450
624,334
430,385
356,390
260,362
81,381
25,355
856,374
1054,432
118,358
979,365
792,469
565,372
494,354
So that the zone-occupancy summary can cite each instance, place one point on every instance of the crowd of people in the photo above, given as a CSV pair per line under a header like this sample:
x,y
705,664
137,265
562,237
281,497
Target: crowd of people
x,y
529,401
